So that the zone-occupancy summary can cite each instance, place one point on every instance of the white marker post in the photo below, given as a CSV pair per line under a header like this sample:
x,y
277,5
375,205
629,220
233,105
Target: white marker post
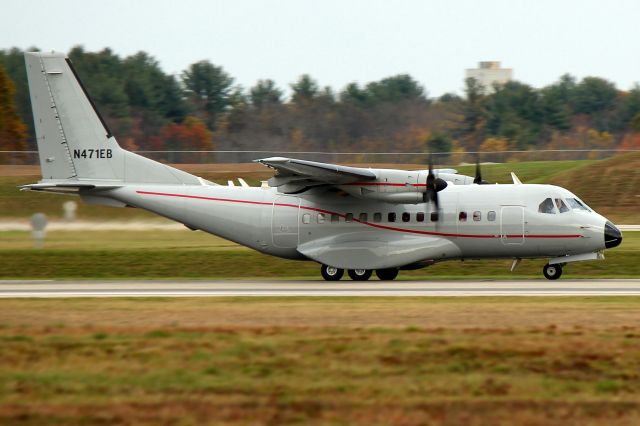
x,y
69,208
38,225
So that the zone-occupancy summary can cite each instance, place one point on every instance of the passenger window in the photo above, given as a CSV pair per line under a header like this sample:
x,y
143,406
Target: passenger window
x,y
477,216
363,217
320,217
547,207
491,216
391,217
406,216
335,218
462,216
434,216
561,205
377,217
306,218
420,217
348,217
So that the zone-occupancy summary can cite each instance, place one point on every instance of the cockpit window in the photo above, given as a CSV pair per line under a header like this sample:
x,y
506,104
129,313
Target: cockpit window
x,y
561,205
577,204
547,207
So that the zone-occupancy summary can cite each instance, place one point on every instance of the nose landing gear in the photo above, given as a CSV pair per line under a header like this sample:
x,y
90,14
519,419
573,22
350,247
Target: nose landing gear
x,y
552,272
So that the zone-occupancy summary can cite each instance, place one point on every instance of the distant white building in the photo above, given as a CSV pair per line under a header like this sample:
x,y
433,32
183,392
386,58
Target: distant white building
x,y
488,73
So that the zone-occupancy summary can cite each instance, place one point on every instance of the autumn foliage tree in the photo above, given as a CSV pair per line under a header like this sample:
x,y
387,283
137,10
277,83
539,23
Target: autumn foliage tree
x,y
190,135
13,132
149,109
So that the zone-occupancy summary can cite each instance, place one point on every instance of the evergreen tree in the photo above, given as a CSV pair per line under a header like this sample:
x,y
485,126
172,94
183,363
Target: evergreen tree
x,y
304,90
209,87
265,93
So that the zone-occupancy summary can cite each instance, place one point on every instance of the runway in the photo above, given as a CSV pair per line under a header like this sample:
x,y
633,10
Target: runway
x,y
226,288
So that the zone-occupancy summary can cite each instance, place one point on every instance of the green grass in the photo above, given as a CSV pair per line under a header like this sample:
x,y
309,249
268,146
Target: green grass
x,y
528,172
331,361
16,204
187,254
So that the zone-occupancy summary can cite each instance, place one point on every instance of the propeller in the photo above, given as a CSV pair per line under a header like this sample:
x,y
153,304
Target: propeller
x,y
478,179
433,186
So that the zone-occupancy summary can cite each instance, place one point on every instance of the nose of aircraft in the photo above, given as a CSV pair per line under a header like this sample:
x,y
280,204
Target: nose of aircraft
x,y
612,235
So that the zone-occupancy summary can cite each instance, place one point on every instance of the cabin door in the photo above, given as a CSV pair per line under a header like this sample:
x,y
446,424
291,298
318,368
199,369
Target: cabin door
x,y
512,224
284,224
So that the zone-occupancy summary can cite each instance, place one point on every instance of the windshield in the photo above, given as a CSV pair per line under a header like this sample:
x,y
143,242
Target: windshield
x,y
547,207
576,204
562,207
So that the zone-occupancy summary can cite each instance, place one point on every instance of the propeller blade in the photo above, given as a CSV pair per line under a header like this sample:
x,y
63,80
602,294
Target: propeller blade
x,y
433,186
478,178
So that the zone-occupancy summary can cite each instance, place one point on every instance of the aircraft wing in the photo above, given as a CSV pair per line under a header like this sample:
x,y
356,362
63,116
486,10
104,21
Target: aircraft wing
x,y
294,175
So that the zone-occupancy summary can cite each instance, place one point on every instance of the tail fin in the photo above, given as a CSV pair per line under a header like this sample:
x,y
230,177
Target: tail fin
x,y
74,142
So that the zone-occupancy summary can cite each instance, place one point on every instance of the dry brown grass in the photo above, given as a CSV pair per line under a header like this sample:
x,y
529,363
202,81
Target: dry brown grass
x,y
447,313
472,361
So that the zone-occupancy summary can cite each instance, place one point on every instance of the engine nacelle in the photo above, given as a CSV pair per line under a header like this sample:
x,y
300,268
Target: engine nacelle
x,y
394,197
402,187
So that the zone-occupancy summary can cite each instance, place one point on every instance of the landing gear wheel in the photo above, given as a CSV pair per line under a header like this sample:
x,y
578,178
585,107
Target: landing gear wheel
x,y
552,272
330,273
359,274
387,274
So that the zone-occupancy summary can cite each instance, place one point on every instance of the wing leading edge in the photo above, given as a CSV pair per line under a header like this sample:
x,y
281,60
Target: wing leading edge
x,y
294,175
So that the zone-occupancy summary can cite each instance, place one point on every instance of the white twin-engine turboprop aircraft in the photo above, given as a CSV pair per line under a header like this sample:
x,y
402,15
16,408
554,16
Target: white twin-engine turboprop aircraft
x,y
342,217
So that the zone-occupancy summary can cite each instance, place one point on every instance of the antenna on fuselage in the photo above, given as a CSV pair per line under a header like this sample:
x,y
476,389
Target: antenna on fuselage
x,y
516,181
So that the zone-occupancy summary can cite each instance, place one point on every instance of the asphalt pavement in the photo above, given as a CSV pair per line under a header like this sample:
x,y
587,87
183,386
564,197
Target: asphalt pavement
x,y
222,288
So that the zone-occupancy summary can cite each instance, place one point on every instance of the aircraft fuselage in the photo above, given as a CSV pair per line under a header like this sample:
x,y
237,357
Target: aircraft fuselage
x,y
473,222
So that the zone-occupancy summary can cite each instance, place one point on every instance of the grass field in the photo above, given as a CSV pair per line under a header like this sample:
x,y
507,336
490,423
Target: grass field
x,y
187,254
610,186
404,361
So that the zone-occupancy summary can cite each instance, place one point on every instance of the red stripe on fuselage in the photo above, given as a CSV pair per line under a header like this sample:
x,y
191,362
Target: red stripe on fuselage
x,y
375,225
384,184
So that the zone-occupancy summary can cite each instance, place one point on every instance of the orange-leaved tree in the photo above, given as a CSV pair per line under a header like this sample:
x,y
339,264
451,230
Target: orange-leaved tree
x,y
190,135
13,132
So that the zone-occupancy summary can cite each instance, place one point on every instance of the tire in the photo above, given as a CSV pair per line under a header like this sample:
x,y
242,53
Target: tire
x,y
329,273
552,272
359,274
387,274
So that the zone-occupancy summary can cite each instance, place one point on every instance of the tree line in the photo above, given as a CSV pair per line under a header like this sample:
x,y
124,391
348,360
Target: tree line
x,y
203,108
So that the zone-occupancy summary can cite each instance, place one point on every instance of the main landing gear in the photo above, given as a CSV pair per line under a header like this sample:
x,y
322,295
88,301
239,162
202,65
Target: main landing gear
x,y
330,273
552,272
387,274
359,274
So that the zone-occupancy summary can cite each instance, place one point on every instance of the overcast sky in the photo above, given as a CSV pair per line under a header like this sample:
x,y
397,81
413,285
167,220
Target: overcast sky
x,y
340,41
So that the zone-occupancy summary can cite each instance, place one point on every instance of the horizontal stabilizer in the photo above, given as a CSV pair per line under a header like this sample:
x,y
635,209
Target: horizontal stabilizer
x,y
67,187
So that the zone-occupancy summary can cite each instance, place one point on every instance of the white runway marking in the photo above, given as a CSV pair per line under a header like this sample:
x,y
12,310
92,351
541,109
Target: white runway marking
x,y
130,288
